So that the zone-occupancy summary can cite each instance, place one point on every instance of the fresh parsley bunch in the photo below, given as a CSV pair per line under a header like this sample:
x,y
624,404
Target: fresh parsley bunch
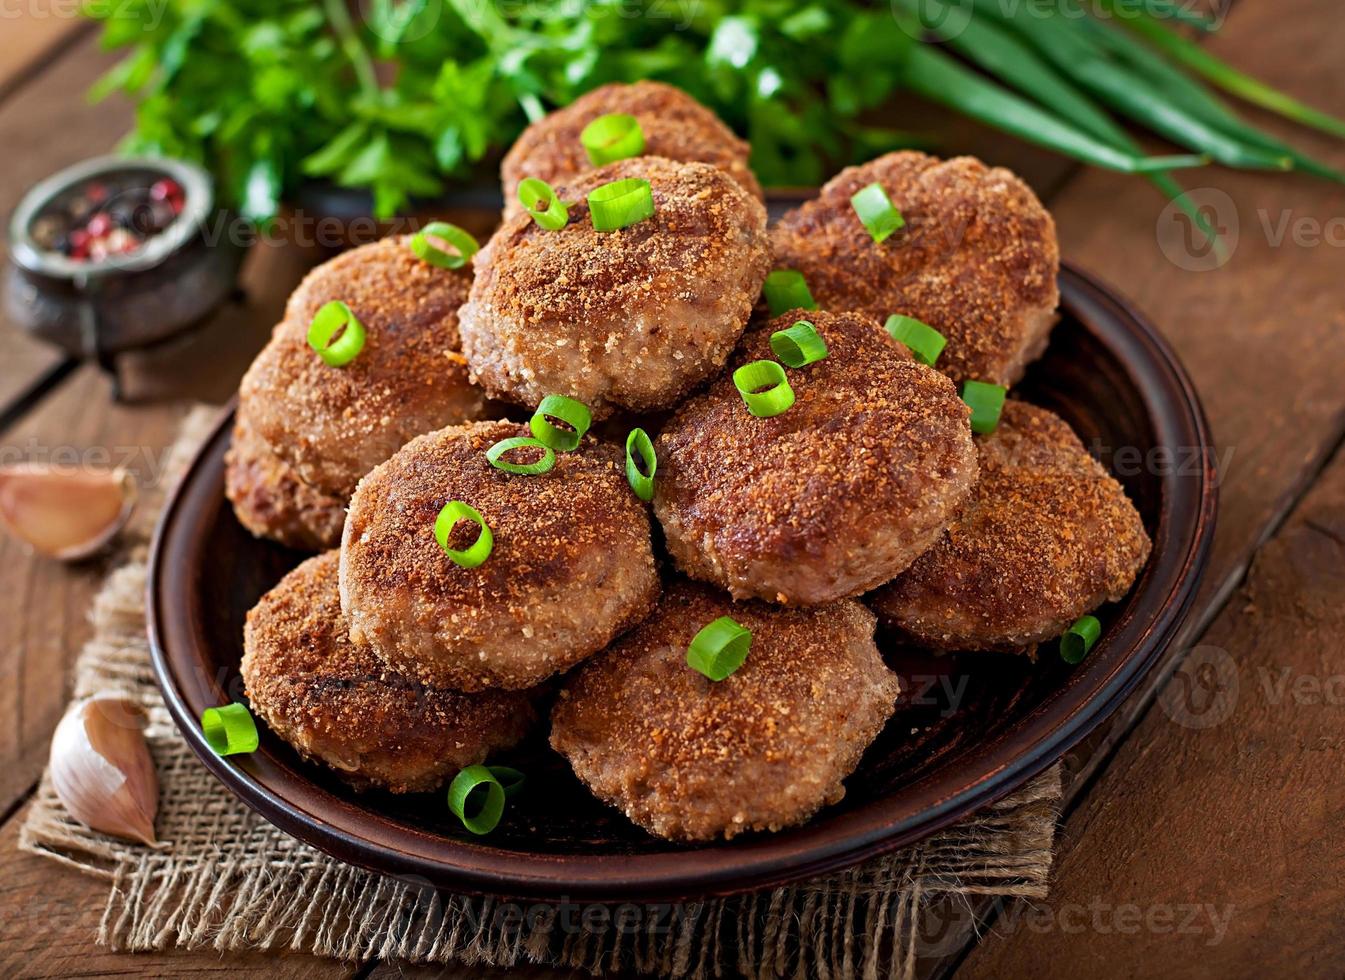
x,y
403,97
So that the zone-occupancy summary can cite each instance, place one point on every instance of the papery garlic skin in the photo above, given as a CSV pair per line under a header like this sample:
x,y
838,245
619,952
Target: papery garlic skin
x,y
102,770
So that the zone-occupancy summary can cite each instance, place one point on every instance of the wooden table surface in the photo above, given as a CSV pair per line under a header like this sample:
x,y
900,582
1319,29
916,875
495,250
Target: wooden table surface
x,y
1202,831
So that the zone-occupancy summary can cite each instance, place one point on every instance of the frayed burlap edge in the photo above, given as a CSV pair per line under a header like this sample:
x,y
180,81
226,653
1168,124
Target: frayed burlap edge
x,y
225,879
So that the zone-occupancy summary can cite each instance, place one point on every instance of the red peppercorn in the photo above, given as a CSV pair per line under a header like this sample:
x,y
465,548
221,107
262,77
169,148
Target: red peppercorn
x,y
165,189
96,193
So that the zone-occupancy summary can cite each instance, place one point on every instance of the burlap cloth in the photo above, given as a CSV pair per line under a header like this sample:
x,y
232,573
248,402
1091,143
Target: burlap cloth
x,y
223,878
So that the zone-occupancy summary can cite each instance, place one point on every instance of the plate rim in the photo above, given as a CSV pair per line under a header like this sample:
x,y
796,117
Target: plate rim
x,y
1028,748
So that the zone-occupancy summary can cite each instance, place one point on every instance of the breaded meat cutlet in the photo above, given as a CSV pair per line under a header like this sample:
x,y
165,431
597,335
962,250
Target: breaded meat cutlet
x,y
674,125
338,704
334,424
1047,536
830,498
977,259
629,319
271,501
572,565
691,759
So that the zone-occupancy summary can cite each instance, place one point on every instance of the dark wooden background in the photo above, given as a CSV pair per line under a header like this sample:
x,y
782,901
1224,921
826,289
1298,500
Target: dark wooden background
x,y
1202,832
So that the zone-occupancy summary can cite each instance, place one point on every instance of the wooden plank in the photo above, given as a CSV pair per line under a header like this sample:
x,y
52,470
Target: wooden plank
x,y
1261,336
33,32
52,124
44,604
1205,849
52,914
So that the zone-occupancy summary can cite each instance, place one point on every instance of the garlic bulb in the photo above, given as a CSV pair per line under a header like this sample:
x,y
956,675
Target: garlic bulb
x,y
102,770
64,512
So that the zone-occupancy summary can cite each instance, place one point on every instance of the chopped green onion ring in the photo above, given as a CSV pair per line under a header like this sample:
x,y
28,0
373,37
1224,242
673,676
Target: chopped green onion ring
x,y
495,454
799,345
479,551
639,443
787,290
877,212
1079,639
488,814
764,388
333,318
614,136
427,251
719,648
925,342
986,402
230,729
574,414
620,204
546,208
510,779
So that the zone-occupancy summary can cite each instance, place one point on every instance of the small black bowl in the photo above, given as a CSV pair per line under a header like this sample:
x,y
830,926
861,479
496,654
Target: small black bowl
x,y
98,308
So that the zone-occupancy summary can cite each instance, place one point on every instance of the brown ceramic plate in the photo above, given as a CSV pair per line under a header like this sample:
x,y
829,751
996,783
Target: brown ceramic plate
x,y
968,729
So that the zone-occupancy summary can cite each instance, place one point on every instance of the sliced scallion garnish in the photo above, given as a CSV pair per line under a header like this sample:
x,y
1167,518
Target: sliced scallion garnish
x,y
614,136
496,453
574,414
925,342
546,208
786,290
799,345
511,780
230,729
330,320
876,211
620,204
1079,639
764,388
986,402
486,813
719,648
427,251
639,444
479,550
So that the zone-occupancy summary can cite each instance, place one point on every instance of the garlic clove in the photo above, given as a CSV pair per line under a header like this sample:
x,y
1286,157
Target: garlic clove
x,y
102,770
64,512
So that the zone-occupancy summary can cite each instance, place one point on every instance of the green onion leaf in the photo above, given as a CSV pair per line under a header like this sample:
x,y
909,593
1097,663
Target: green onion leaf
x,y
487,812
495,454
546,208
510,780
620,204
427,251
986,402
479,550
719,649
574,414
1079,639
786,290
925,342
799,345
638,442
230,730
764,388
614,136
876,211
335,318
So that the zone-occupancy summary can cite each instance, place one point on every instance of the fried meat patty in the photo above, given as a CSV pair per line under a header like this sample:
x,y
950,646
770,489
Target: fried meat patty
x,y
832,497
339,704
688,758
572,565
977,259
1047,536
